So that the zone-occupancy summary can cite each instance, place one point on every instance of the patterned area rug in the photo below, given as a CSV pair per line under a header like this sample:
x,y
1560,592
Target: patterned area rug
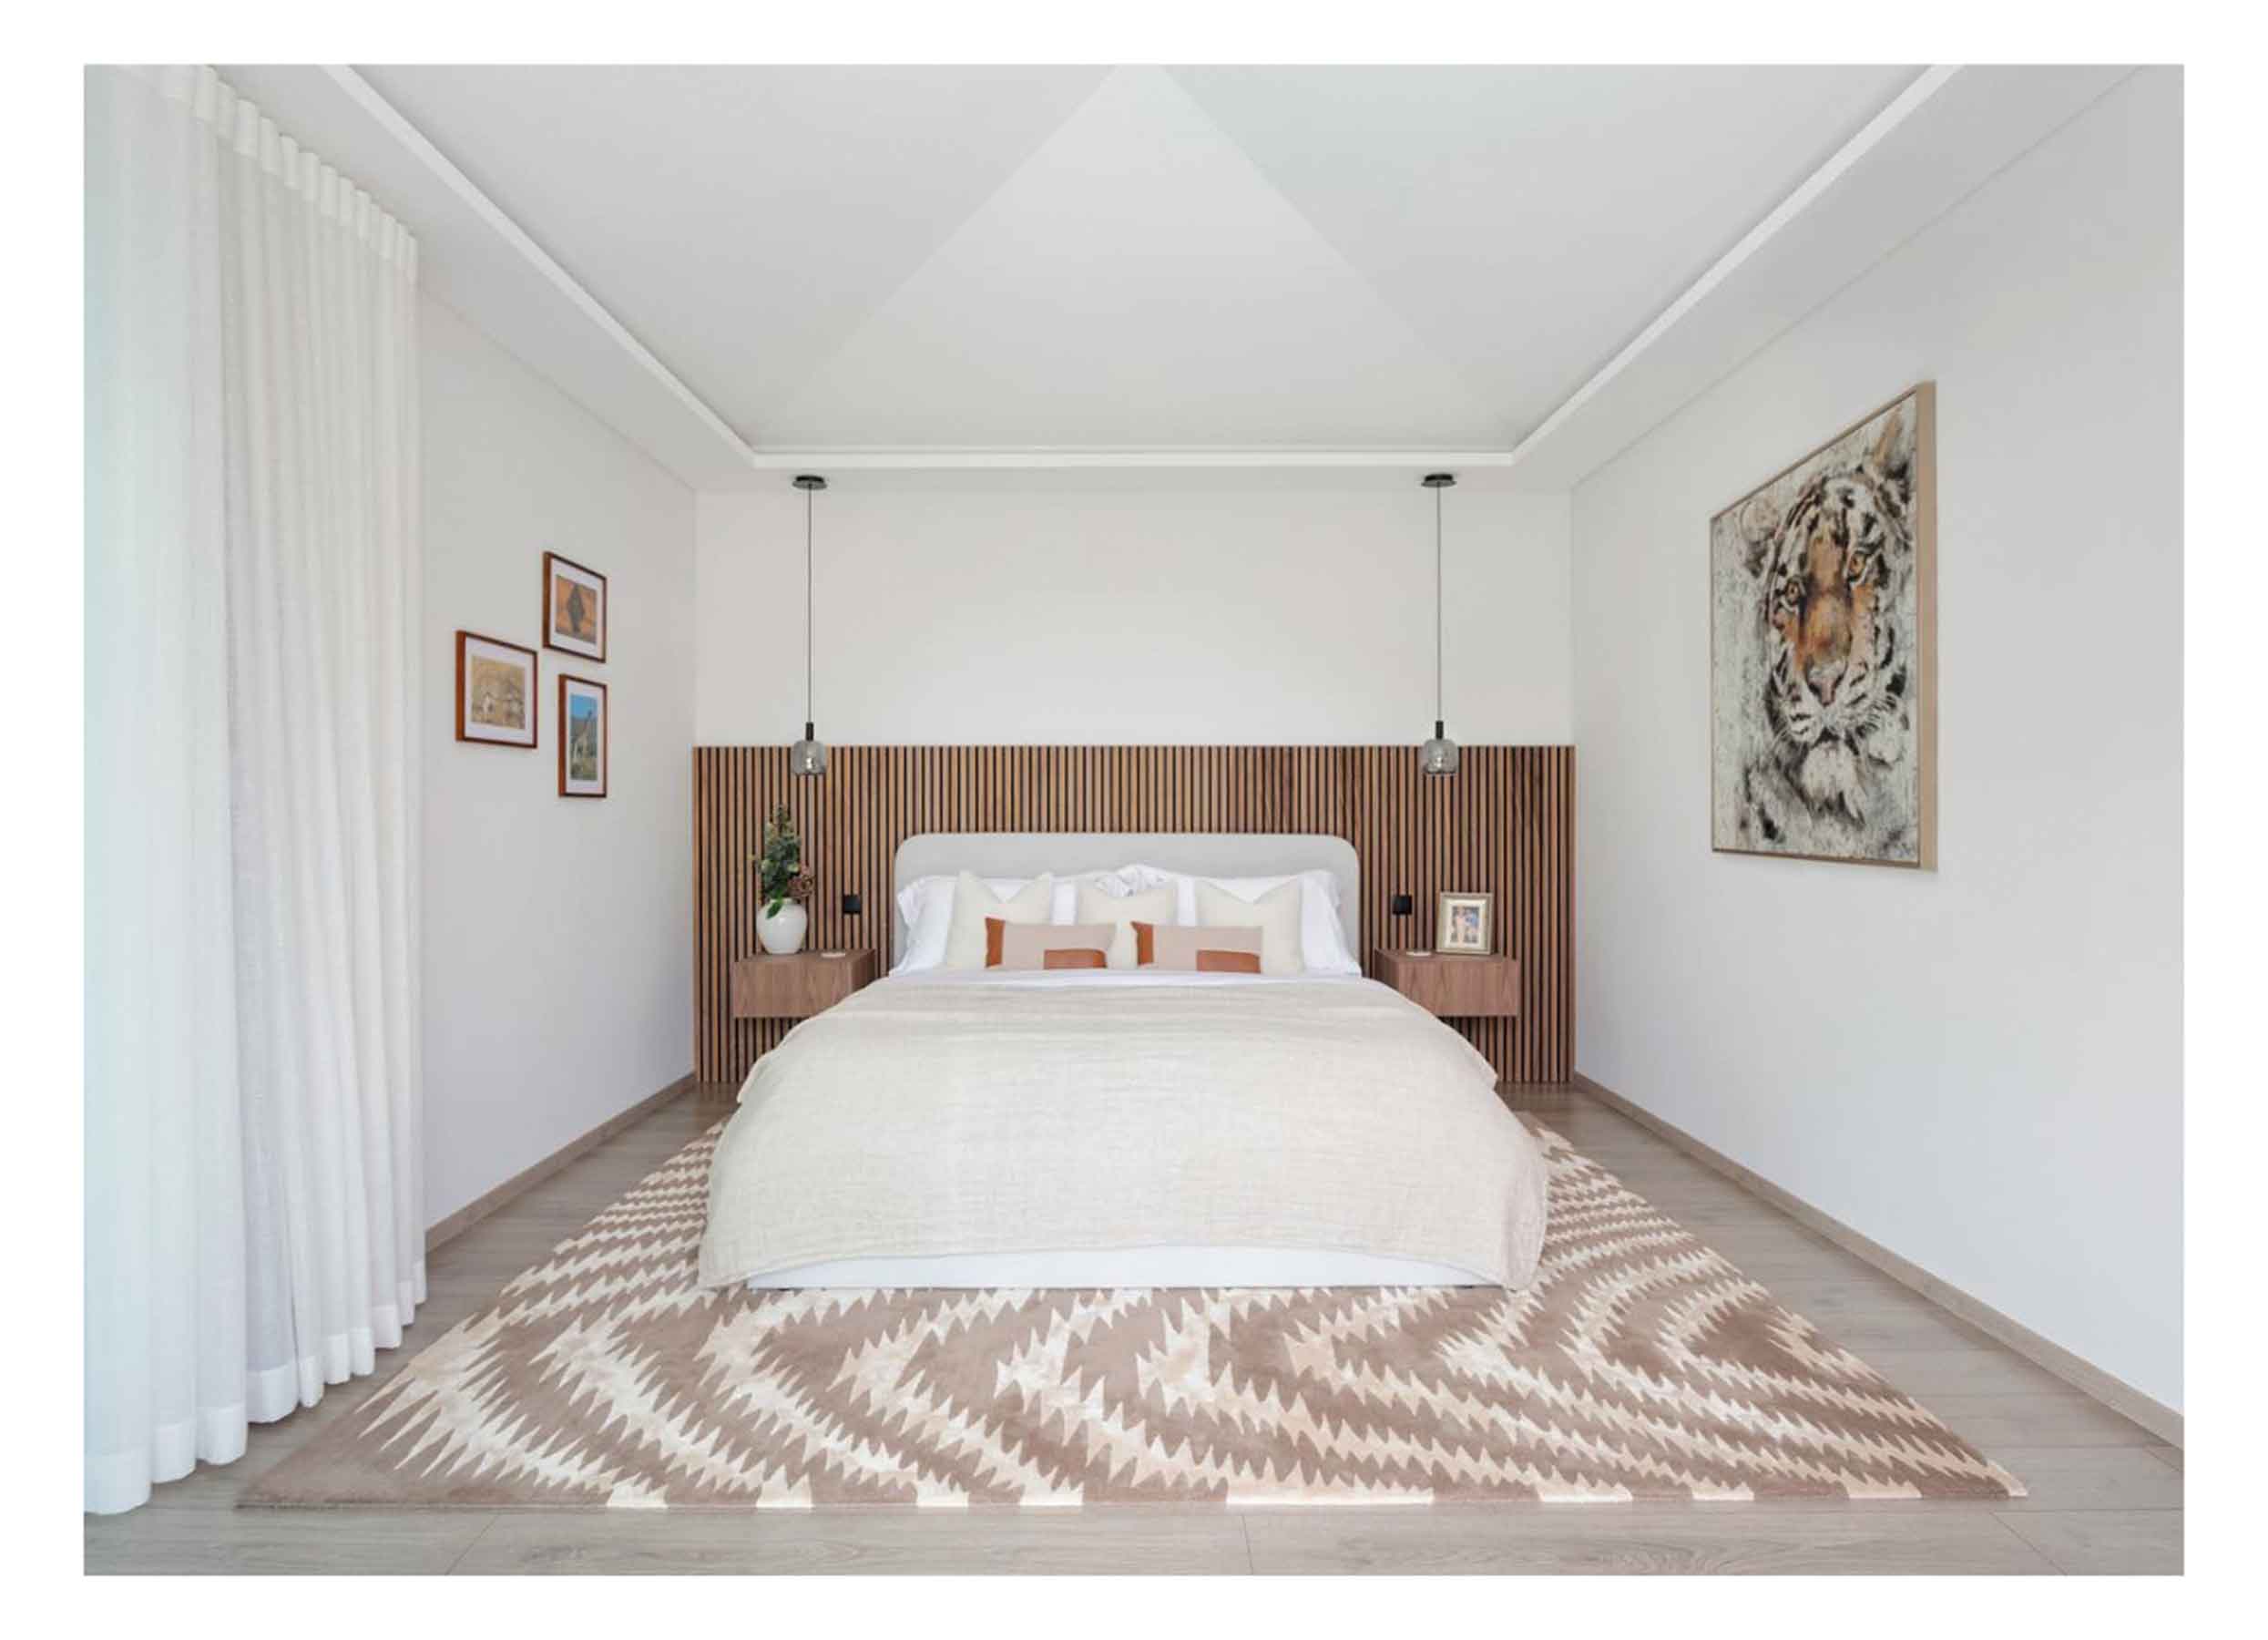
x,y
1639,1365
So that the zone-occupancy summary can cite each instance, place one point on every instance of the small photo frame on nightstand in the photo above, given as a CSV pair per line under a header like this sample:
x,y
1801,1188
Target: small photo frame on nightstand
x,y
1465,924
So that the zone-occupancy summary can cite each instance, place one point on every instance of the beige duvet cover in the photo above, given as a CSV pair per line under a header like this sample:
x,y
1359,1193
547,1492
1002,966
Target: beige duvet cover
x,y
919,1119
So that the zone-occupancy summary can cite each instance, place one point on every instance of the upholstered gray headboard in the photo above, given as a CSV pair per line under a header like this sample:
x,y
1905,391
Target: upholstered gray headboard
x,y
1066,854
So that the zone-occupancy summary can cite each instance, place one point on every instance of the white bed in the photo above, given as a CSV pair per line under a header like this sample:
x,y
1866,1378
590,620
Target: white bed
x,y
958,1128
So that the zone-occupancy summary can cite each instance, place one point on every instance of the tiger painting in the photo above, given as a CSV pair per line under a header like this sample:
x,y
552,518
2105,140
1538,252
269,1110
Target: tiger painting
x,y
1817,583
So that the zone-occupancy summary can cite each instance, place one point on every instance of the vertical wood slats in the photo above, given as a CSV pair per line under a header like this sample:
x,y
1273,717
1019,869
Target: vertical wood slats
x,y
1503,824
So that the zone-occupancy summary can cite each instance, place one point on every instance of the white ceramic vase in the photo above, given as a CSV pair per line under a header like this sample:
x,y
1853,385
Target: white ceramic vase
x,y
782,933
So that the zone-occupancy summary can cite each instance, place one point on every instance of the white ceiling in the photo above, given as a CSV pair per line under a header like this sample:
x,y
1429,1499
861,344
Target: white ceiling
x,y
1319,271
1341,259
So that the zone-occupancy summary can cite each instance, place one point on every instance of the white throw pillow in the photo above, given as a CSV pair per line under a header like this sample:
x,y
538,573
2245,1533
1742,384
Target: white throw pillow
x,y
973,902
1323,937
1098,905
1276,914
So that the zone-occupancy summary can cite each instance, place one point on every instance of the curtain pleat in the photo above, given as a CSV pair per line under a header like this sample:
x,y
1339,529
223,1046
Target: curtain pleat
x,y
254,1202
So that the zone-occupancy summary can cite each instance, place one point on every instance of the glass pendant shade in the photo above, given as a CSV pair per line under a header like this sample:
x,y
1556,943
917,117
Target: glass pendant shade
x,y
808,756
1437,756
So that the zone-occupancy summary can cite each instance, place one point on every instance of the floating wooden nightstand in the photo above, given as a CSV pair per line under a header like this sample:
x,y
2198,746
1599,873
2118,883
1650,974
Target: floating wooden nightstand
x,y
1455,987
797,987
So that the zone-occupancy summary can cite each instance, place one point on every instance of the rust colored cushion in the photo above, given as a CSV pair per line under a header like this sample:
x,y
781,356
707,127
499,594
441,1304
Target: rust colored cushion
x,y
1197,950
1021,946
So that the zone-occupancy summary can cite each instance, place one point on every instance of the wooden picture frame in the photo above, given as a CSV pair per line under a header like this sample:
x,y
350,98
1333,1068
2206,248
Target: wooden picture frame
x,y
1465,925
496,691
583,761
1850,780
576,609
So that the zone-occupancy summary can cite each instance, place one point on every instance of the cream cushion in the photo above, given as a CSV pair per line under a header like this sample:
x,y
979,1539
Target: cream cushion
x,y
1096,905
1202,950
974,900
1025,946
1276,914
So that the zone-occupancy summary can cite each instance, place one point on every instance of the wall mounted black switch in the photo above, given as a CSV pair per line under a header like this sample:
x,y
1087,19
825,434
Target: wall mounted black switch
x,y
1401,906
851,905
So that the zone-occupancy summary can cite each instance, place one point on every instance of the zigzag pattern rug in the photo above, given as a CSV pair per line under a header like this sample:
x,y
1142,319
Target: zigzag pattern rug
x,y
1639,1365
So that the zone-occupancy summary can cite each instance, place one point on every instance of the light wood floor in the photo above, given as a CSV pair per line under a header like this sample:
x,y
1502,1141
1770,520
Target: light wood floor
x,y
2106,1494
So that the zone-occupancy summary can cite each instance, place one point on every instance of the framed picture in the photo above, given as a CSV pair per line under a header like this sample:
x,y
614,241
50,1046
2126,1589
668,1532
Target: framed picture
x,y
1465,925
1822,690
496,691
582,737
575,607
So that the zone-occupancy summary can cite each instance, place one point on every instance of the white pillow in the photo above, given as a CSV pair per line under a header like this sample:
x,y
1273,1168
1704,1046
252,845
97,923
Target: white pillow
x,y
927,904
1322,938
1096,904
973,902
1276,914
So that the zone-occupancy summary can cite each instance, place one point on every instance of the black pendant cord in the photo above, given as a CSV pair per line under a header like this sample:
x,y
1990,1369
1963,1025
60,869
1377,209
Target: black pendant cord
x,y
808,719
1437,696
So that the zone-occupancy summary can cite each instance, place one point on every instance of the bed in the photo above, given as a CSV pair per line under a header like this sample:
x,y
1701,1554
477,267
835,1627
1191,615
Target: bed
x,y
977,1128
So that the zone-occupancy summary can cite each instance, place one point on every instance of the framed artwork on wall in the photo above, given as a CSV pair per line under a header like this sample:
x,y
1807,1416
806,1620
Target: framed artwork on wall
x,y
1465,924
496,691
1822,692
575,607
582,737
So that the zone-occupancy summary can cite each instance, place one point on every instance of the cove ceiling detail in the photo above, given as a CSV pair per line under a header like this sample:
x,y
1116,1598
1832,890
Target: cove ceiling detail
x,y
1141,257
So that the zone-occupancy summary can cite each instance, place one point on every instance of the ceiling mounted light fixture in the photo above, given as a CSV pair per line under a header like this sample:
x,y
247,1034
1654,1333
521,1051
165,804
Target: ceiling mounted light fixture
x,y
807,756
1439,755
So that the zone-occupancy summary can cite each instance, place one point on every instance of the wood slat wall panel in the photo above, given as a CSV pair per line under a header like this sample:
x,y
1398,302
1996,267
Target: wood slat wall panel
x,y
1504,824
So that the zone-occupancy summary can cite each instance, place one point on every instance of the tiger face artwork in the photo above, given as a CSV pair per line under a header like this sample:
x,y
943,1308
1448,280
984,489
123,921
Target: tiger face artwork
x,y
1817,663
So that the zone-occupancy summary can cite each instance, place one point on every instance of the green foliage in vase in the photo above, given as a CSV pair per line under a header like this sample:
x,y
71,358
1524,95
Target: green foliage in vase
x,y
779,872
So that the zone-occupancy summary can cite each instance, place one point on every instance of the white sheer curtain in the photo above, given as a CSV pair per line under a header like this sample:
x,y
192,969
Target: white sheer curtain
x,y
254,1187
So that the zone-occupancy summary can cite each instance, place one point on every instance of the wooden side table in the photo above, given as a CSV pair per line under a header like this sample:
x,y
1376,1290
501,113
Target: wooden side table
x,y
1455,987
797,987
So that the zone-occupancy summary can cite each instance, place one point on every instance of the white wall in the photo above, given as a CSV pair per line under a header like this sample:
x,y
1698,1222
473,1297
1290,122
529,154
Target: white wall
x,y
1227,613
1979,1067
557,932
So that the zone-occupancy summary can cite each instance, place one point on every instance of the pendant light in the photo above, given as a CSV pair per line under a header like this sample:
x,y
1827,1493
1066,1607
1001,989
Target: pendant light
x,y
1439,755
807,756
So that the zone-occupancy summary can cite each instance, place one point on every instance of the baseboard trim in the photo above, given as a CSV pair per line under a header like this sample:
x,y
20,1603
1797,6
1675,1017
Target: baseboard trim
x,y
527,1178
2119,1396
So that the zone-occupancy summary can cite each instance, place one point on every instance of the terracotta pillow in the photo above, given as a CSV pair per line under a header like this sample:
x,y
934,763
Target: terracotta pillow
x,y
1029,945
1182,950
